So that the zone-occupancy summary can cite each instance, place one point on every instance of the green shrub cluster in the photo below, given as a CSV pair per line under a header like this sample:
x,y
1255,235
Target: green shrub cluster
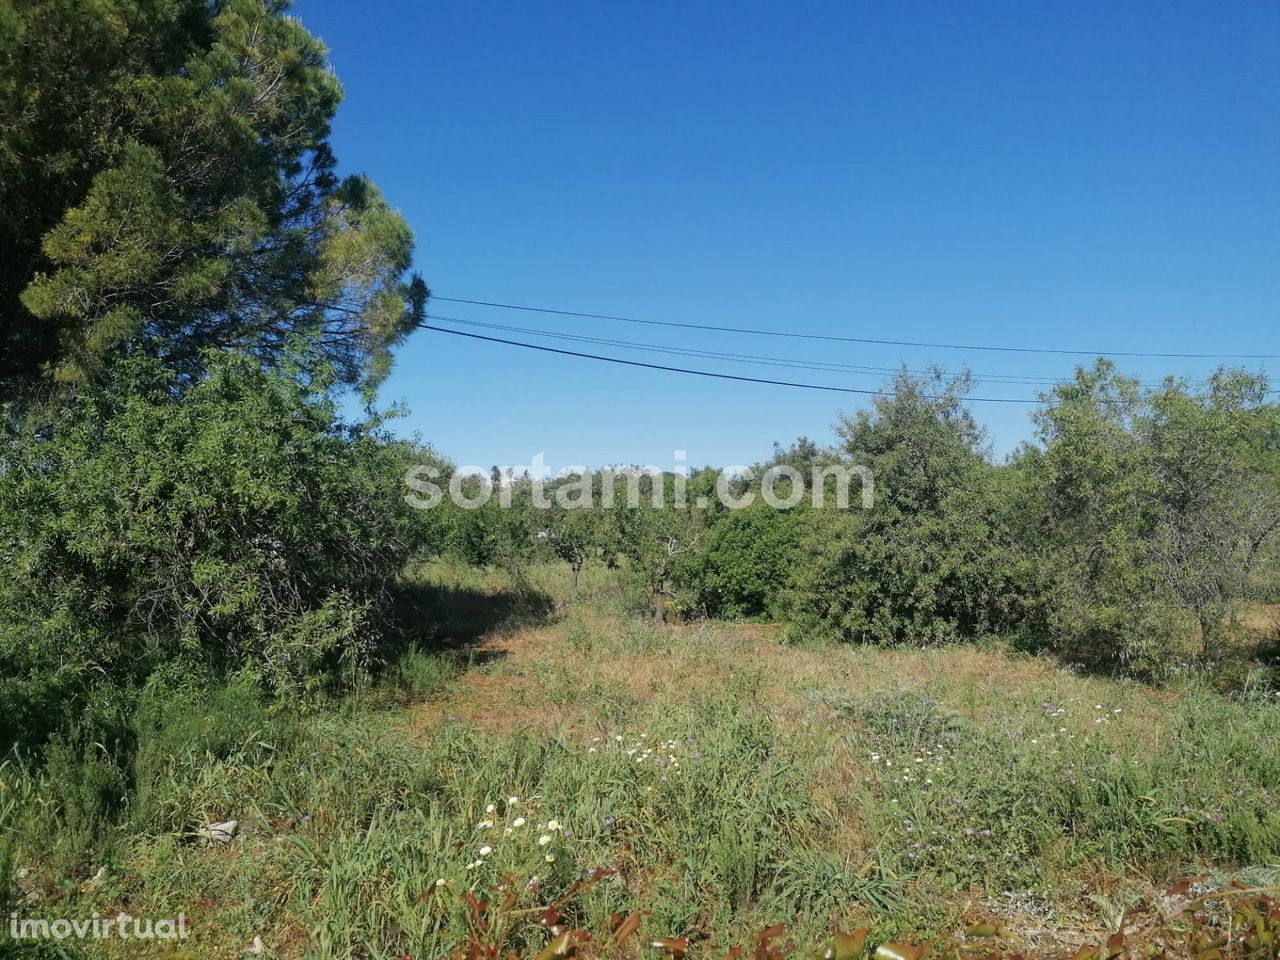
x,y
233,527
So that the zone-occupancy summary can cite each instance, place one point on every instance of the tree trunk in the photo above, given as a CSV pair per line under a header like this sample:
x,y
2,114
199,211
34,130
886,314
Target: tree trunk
x,y
659,606
1208,633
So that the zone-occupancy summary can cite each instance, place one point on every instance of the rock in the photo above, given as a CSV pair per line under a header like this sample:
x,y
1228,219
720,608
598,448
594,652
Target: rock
x,y
219,833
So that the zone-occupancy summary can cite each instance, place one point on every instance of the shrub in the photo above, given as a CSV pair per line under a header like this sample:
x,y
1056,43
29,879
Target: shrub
x,y
746,566
1158,508
937,556
230,524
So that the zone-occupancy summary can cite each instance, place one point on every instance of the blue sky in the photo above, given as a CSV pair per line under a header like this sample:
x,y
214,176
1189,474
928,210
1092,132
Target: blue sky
x,y
1092,175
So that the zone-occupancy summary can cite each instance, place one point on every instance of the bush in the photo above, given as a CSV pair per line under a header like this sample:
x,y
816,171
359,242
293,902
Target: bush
x,y
232,524
937,557
1158,511
746,566
181,730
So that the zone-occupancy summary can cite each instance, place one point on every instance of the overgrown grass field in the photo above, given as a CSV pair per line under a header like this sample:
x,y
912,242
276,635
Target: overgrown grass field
x,y
724,782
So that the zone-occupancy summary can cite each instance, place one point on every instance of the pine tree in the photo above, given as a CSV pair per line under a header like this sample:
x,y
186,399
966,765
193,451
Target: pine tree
x,y
167,186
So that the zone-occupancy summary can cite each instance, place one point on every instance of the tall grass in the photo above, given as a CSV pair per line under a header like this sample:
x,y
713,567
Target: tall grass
x,y
722,783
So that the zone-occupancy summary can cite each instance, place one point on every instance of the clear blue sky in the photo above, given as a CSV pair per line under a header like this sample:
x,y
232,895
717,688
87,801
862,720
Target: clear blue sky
x,y
1060,174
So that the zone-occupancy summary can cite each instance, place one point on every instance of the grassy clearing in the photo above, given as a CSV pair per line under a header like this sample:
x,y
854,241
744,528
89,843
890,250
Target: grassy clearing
x,y
731,781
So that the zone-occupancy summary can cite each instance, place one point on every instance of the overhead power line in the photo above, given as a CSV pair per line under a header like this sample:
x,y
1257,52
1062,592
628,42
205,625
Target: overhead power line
x,y
697,373
817,365
756,331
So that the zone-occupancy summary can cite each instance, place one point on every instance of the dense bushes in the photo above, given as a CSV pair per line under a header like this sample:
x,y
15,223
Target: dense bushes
x,y
1142,518
1156,509
1129,537
936,558
746,566
234,526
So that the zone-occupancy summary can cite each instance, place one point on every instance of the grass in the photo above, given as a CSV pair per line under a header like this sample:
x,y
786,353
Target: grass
x,y
723,781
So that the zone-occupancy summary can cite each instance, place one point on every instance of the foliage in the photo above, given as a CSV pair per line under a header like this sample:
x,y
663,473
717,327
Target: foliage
x,y
935,559
1235,921
1152,503
745,567
166,182
575,536
656,535
239,526
695,786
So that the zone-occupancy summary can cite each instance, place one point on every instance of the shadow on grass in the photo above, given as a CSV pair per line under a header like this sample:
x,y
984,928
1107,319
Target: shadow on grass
x,y
433,616
438,626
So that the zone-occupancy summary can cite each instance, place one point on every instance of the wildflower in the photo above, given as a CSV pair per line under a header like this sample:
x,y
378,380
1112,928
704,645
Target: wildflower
x,y
440,882
507,832
591,750
1116,710
489,808
513,800
484,824
618,738
550,858
485,851
519,822
544,840
553,825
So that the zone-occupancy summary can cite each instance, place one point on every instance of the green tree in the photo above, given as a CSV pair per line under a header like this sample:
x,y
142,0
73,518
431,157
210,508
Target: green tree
x,y
935,559
655,535
1155,502
238,526
745,568
574,536
166,182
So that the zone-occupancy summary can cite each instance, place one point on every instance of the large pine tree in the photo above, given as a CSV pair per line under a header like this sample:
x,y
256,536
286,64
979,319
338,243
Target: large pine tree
x,y
167,185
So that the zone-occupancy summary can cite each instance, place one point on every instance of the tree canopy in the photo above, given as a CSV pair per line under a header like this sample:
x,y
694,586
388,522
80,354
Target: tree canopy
x,y
167,186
